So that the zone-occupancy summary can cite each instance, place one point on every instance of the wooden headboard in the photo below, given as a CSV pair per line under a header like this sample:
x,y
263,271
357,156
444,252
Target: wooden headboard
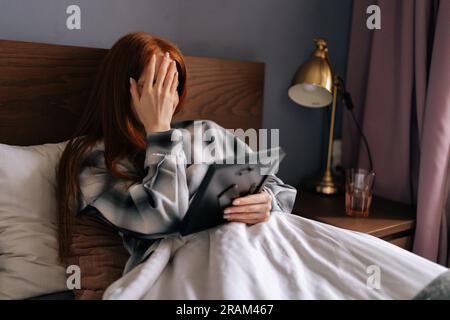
x,y
44,89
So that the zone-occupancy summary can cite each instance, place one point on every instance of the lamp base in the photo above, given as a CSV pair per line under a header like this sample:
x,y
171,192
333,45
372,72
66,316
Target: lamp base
x,y
326,183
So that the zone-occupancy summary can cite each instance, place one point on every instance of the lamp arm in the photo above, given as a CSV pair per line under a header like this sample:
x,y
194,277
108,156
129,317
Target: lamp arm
x,y
332,124
348,103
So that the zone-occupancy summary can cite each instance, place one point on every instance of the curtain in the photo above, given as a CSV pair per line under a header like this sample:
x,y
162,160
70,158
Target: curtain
x,y
399,78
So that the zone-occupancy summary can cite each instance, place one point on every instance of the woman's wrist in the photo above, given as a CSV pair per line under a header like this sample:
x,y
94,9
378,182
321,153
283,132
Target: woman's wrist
x,y
156,128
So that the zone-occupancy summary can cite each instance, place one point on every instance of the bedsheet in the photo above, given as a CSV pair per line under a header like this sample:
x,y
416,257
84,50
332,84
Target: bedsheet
x,y
289,257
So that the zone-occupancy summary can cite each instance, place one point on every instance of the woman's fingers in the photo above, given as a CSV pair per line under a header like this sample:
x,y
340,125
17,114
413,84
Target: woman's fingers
x,y
173,91
262,207
134,92
261,197
248,222
170,77
162,72
174,86
150,74
250,209
247,216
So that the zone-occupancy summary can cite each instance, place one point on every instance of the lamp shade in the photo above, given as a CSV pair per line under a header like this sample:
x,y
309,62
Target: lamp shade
x,y
312,85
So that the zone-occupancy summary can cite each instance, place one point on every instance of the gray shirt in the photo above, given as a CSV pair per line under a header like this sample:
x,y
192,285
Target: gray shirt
x,y
149,210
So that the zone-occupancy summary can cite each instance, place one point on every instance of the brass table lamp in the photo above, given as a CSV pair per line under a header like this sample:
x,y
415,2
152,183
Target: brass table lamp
x,y
315,86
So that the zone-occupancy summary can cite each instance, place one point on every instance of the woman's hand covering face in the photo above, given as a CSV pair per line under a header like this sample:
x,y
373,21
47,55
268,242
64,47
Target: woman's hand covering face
x,y
155,101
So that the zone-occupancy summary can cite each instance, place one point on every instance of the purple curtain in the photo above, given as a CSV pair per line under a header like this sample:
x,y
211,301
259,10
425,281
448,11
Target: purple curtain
x,y
399,78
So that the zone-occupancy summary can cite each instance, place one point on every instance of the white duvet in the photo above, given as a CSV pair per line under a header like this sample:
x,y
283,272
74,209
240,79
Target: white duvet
x,y
288,257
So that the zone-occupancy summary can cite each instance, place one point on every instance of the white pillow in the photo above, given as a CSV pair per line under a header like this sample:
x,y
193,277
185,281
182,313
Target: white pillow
x,y
29,263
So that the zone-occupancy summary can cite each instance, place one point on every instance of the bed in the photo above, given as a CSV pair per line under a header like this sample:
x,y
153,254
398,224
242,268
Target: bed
x,y
43,90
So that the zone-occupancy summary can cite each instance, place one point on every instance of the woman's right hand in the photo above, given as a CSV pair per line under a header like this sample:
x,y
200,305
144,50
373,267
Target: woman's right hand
x,y
157,102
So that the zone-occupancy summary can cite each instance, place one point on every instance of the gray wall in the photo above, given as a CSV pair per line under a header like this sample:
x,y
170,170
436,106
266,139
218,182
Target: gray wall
x,y
277,32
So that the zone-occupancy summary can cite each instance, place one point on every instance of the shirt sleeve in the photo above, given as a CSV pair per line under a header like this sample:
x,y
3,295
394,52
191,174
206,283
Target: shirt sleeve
x,y
283,195
153,207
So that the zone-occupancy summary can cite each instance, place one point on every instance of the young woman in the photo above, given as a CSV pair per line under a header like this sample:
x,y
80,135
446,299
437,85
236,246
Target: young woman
x,y
124,167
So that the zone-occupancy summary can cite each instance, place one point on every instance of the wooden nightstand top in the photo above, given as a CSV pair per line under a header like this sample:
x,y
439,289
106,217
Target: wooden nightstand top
x,y
386,217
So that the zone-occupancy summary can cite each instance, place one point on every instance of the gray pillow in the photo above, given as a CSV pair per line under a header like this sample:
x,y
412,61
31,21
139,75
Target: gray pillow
x,y
29,263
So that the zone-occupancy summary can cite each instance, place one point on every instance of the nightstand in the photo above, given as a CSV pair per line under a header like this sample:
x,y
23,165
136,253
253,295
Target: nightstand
x,y
389,220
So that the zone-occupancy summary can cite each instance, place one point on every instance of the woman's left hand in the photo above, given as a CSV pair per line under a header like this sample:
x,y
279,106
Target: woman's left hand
x,y
251,209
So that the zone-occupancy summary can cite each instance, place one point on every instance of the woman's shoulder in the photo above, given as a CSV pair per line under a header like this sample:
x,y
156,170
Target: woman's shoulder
x,y
94,160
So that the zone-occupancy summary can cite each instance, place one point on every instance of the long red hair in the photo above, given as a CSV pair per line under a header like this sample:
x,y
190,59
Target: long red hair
x,y
108,117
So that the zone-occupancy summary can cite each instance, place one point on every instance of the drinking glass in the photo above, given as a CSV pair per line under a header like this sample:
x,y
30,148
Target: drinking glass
x,y
358,192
